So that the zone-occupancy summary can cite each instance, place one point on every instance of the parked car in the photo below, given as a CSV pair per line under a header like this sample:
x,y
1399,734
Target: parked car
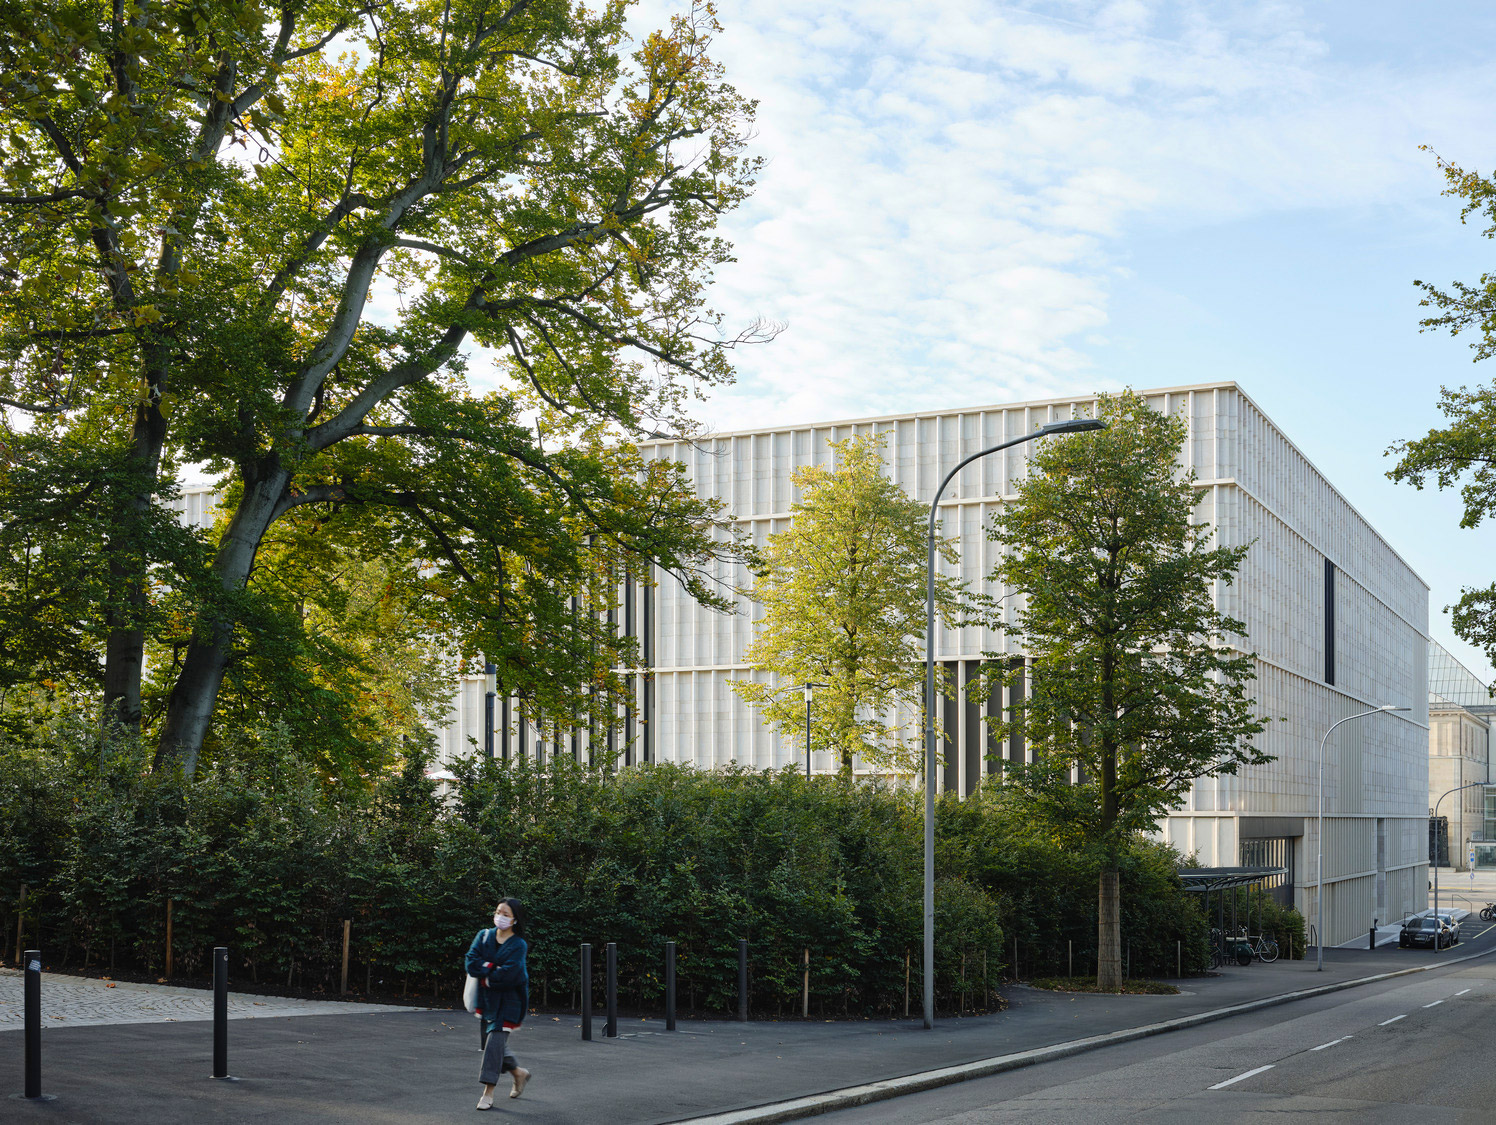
x,y
1430,930
1451,929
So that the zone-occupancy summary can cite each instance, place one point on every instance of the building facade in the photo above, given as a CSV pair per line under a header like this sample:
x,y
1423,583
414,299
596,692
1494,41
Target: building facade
x,y
1337,621
1461,798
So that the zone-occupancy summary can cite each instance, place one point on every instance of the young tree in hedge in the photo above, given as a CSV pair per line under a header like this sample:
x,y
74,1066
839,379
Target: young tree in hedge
x,y
843,593
1465,449
260,236
1135,688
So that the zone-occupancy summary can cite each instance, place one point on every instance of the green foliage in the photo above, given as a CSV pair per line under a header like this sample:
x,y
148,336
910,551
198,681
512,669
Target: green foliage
x,y
1138,687
1463,452
843,594
258,854
1046,889
1134,684
200,209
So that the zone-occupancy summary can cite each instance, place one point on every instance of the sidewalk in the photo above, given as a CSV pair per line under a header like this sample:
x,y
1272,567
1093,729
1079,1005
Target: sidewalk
x,y
93,1002
402,1065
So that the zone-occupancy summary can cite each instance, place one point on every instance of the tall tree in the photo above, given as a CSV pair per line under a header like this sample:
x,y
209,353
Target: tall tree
x,y
843,596
1138,686
1463,453
259,234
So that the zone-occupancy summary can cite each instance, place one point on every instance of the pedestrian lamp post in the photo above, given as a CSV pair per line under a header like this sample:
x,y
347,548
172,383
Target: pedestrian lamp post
x,y
1435,817
809,692
1074,425
489,671
1319,859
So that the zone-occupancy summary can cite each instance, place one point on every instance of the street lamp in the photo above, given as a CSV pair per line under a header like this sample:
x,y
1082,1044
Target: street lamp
x,y
1435,817
1319,843
809,691
489,672
1074,425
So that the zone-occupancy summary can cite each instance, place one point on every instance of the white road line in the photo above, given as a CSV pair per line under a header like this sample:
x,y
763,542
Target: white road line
x,y
1394,1019
1435,1004
1462,992
1239,1077
1332,1043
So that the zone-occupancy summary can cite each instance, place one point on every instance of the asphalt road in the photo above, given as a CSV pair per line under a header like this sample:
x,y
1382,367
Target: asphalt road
x,y
406,1066
1420,1050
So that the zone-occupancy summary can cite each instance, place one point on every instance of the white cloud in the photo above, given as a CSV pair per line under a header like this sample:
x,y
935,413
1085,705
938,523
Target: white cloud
x,y
950,184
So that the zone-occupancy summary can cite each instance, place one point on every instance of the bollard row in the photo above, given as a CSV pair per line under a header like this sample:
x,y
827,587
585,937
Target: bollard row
x,y
32,1001
610,1000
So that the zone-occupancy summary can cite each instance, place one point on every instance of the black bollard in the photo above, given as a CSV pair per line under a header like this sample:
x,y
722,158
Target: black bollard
x,y
743,979
670,986
586,991
220,1011
33,964
612,998
1371,941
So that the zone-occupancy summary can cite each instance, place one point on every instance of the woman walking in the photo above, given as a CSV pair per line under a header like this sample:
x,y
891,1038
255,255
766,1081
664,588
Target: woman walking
x,y
497,959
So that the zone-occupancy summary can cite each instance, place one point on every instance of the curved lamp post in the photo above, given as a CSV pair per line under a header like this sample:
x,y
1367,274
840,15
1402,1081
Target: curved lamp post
x,y
1456,789
810,690
1074,425
1319,859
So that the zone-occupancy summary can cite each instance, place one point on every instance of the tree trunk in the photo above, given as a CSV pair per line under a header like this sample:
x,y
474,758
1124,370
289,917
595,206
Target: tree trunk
x,y
190,708
1109,934
124,661
124,648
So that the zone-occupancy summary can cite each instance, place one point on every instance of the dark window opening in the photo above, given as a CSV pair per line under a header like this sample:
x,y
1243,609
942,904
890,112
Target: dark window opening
x,y
1329,622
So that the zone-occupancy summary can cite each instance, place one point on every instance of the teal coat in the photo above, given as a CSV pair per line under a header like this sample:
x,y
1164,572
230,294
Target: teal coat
x,y
503,979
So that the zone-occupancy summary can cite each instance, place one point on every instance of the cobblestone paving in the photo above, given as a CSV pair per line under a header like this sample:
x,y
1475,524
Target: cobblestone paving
x,y
83,1002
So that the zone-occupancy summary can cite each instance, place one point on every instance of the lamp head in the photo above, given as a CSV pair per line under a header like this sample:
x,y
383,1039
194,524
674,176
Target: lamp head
x,y
1073,426
1389,707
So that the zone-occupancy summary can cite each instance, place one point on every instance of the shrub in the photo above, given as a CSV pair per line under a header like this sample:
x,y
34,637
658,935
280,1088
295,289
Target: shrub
x,y
263,857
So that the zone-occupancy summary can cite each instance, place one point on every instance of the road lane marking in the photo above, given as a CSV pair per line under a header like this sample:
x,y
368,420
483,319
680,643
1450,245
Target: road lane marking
x,y
1394,1019
1462,992
1239,1077
1435,1004
1332,1043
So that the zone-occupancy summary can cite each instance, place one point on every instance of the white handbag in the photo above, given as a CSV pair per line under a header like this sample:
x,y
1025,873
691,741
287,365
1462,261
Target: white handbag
x,y
470,989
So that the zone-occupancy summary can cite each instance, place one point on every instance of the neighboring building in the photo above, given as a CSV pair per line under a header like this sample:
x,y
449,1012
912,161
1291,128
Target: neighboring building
x,y
1461,820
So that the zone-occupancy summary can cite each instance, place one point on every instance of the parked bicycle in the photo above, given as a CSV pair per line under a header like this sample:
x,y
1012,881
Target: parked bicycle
x,y
1488,912
1264,948
1231,947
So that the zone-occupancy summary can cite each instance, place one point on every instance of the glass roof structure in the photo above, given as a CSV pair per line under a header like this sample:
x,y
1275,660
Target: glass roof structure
x,y
1451,684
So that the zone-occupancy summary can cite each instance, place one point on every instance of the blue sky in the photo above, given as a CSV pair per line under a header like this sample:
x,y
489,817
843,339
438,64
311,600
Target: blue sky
x,y
968,203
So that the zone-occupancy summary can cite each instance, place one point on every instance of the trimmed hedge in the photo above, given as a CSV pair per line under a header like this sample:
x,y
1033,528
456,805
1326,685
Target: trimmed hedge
x,y
267,860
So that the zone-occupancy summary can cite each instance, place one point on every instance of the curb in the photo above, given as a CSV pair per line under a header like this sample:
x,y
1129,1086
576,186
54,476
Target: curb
x,y
816,1104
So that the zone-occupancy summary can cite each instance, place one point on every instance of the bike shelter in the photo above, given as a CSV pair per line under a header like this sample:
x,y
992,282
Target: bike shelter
x,y
1217,881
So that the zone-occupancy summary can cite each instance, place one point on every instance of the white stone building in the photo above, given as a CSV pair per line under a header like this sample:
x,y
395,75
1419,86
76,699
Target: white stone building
x,y
1338,622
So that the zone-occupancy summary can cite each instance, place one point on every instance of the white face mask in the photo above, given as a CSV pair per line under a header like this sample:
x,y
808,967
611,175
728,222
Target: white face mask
x,y
502,921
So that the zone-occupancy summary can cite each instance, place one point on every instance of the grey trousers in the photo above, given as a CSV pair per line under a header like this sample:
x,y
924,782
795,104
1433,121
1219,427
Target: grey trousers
x,y
497,1058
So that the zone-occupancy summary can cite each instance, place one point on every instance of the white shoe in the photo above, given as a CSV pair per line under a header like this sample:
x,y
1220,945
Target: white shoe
x,y
521,1076
486,1101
